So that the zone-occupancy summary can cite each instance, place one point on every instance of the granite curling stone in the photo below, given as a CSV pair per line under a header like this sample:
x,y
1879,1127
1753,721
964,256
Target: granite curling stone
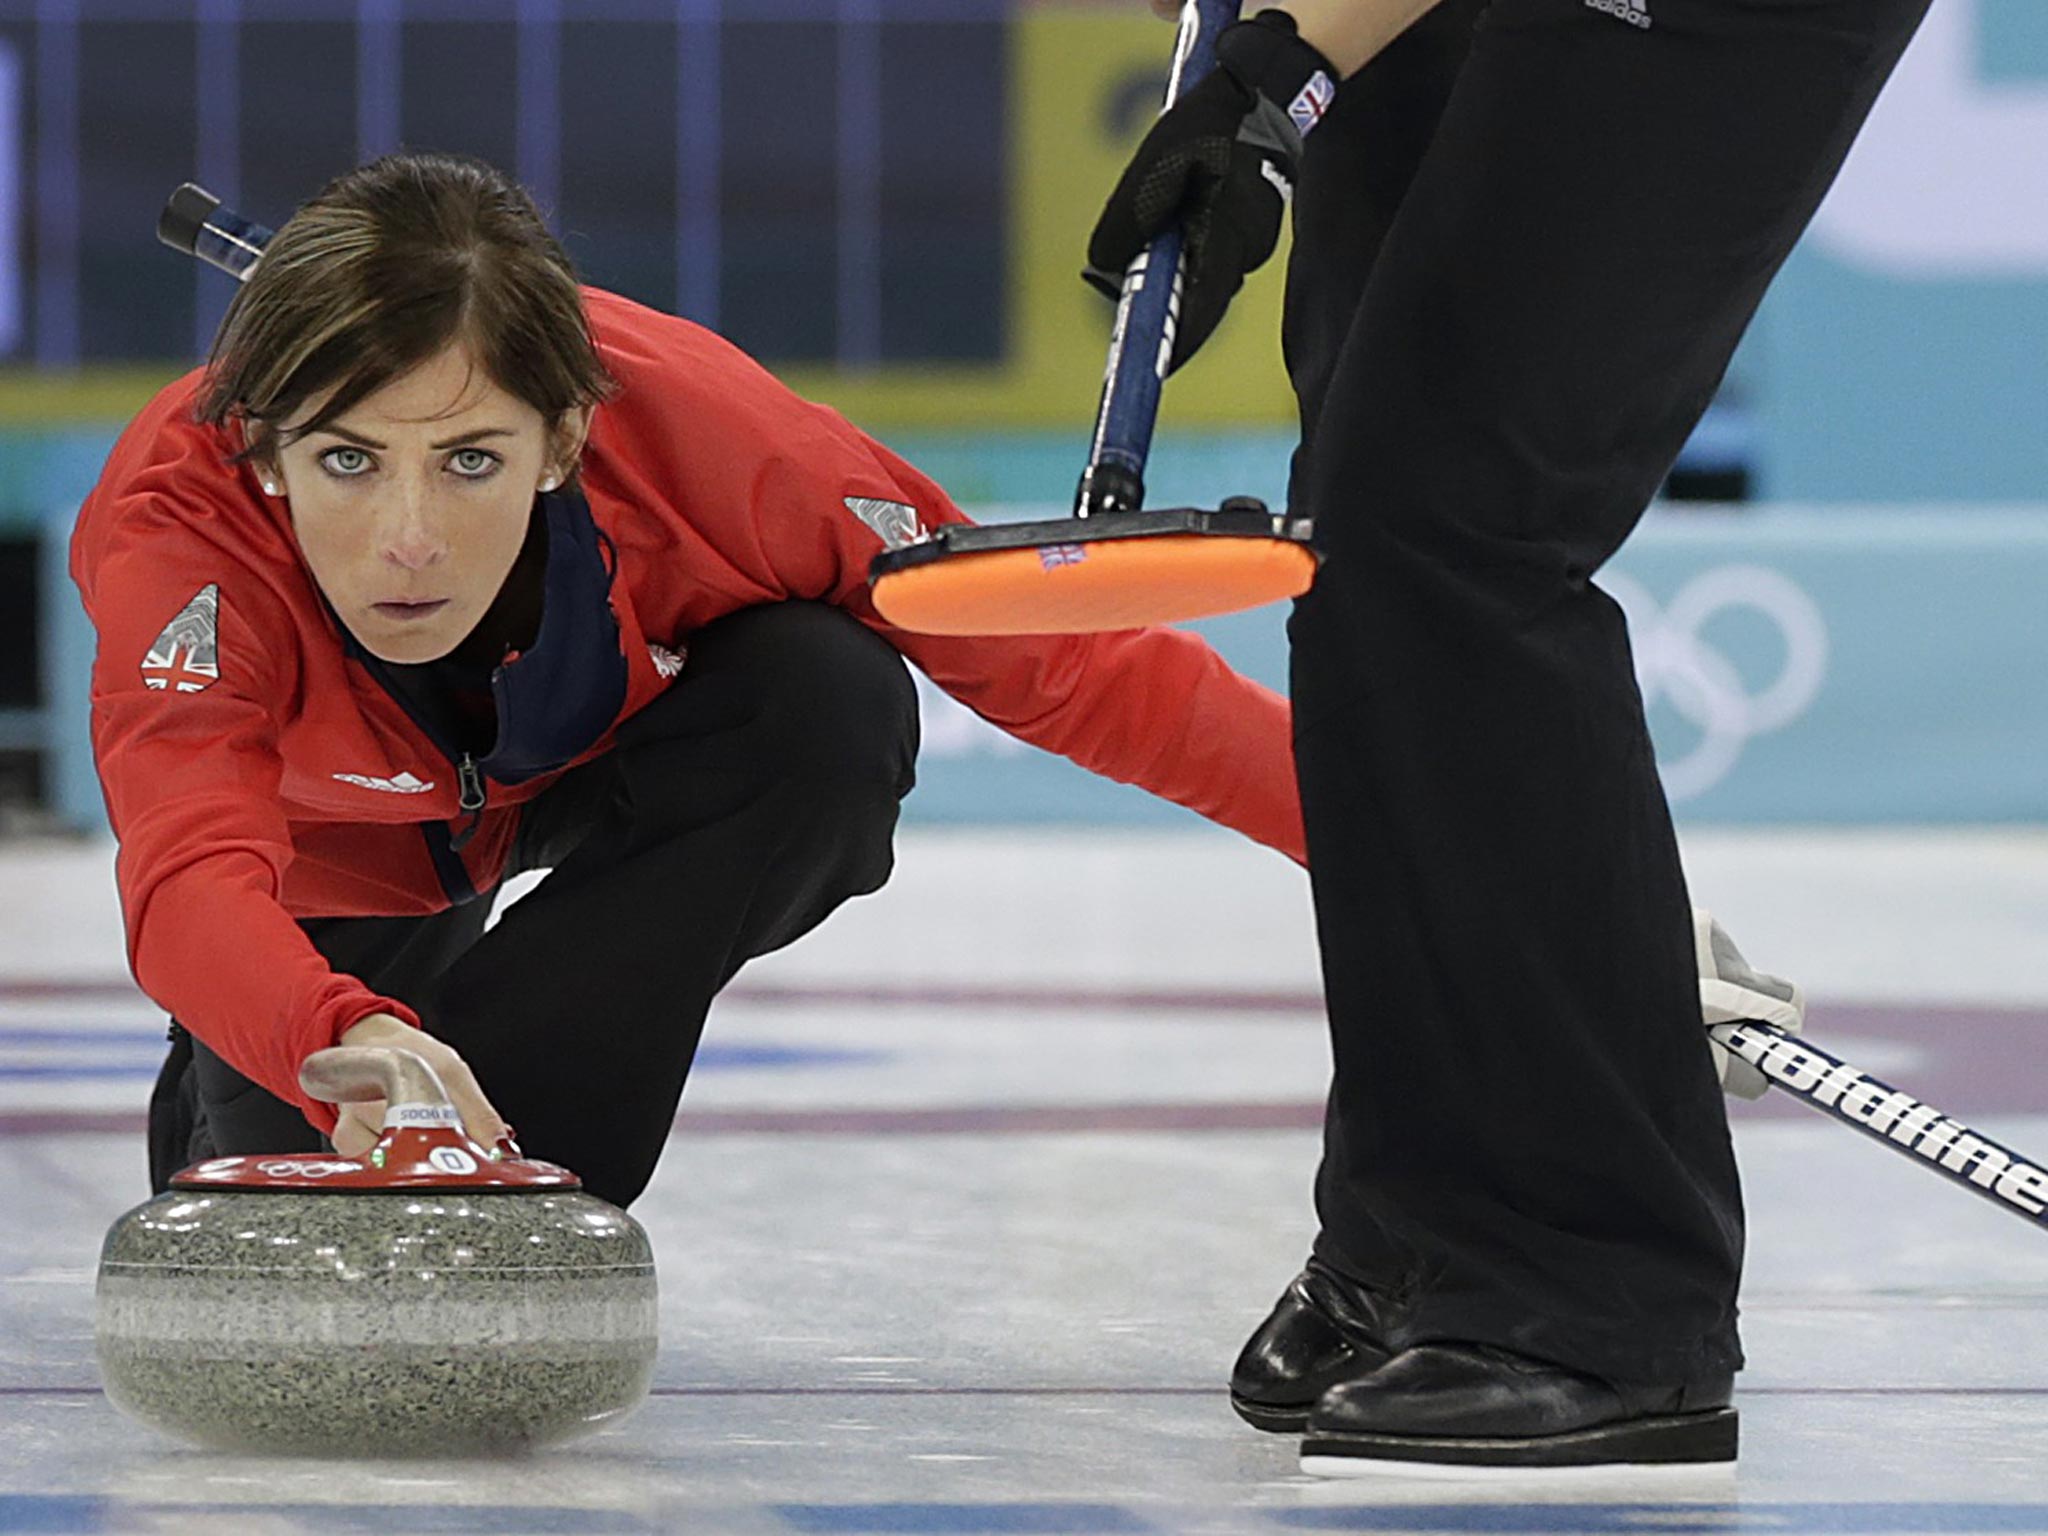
x,y
433,1297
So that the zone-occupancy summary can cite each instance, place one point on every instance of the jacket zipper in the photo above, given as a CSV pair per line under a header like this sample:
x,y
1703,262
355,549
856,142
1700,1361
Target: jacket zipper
x,y
471,781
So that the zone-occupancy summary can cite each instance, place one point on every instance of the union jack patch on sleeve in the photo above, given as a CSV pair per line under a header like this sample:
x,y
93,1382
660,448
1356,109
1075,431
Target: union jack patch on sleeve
x,y
894,522
185,658
1313,100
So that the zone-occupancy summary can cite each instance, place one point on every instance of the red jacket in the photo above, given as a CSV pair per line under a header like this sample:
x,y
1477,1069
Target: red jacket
x,y
256,770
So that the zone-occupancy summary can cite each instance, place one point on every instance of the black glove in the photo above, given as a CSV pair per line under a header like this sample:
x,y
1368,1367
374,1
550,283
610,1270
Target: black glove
x,y
1221,160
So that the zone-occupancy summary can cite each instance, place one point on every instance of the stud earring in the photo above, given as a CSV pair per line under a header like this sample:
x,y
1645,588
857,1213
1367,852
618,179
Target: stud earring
x,y
550,483
270,487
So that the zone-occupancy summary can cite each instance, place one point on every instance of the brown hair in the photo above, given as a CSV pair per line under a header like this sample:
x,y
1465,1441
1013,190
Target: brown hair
x,y
380,272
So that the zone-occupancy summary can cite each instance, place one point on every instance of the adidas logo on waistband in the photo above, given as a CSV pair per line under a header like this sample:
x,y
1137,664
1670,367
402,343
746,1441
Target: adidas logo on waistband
x,y
1635,12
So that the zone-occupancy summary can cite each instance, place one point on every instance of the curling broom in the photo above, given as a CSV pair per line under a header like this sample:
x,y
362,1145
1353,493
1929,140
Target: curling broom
x,y
1941,1142
1110,565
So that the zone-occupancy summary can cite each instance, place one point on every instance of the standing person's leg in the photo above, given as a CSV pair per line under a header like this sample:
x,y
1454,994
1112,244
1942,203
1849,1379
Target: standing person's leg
x,y
750,800
1356,168
1525,1135
1355,171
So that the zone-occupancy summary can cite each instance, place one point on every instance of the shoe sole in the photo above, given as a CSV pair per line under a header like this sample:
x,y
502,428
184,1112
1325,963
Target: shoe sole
x,y
1273,1419
1672,1440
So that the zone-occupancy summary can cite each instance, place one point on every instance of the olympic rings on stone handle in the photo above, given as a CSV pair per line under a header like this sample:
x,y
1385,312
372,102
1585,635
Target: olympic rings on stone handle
x,y
295,1168
1674,662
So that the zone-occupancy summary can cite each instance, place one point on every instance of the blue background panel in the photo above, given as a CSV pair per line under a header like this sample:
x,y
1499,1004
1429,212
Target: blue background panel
x,y
1798,665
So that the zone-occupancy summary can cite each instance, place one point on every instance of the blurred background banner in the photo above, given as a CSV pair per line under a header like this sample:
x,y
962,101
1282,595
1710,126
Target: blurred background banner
x,y
1903,354
887,201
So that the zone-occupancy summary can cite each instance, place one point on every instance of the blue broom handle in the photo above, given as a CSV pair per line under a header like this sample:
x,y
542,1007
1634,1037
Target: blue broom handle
x,y
1142,341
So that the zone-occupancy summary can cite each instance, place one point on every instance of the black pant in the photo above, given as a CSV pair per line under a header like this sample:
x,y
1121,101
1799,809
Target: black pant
x,y
1527,240
736,811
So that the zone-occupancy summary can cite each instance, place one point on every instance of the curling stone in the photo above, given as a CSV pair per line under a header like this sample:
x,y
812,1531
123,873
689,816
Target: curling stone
x,y
433,1297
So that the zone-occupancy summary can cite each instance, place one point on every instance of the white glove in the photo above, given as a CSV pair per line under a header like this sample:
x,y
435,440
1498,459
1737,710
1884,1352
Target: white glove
x,y
1730,990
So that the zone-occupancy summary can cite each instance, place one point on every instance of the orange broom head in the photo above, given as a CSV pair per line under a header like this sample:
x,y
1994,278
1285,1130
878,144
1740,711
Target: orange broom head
x,y
1069,577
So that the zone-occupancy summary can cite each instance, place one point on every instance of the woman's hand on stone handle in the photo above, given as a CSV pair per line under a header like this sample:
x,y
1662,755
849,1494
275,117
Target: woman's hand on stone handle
x,y
360,1124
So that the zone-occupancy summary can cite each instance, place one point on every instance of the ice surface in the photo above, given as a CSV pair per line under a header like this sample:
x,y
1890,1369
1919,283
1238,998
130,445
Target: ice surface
x,y
980,1187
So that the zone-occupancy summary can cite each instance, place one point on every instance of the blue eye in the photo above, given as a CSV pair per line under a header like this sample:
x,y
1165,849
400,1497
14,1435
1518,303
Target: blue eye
x,y
345,463
473,463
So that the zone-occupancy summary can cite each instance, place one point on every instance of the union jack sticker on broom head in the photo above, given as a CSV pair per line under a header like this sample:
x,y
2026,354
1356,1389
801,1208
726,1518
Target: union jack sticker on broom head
x,y
186,656
1053,556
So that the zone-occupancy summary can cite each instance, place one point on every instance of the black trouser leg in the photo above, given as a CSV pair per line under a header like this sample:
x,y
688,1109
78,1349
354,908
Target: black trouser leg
x,y
1525,1141
1356,168
751,800
734,814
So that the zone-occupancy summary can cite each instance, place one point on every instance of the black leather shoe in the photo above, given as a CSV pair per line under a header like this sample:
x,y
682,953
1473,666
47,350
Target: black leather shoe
x,y
1474,1405
1323,1330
